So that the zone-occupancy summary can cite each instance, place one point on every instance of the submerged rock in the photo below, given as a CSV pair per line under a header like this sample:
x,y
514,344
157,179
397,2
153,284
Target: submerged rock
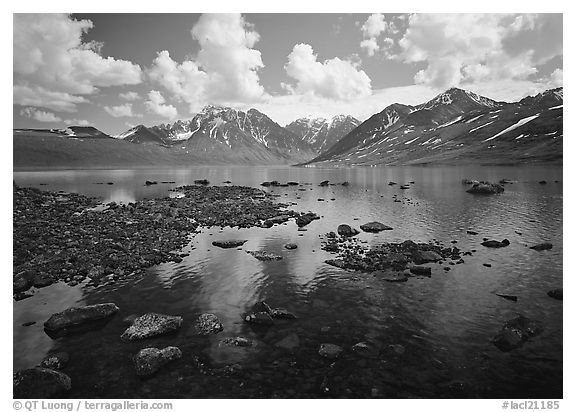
x,y
389,276
236,341
281,314
485,188
374,227
291,246
515,333
80,315
542,246
55,361
469,182
290,342
556,294
202,182
495,243
264,256
330,351
38,383
208,324
150,325
227,244
149,360
347,230
513,298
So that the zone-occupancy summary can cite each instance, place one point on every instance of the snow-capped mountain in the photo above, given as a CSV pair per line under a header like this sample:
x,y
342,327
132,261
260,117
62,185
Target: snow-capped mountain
x,y
224,132
456,126
322,133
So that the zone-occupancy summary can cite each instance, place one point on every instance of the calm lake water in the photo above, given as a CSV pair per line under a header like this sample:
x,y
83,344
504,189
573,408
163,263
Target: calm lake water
x,y
431,336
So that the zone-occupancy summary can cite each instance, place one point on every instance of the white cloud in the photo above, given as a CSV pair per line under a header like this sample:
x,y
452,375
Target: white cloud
x,y
557,78
156,104
39,115
123,110
370,45
374,27
334,78
77,122
130,96
52,63
225,70
470,48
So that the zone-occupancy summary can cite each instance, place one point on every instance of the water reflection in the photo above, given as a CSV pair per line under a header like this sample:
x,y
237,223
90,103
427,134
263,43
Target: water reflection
x,y
427,333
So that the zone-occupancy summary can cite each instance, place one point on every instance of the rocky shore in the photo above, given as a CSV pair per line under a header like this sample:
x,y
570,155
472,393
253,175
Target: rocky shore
x,y
70,237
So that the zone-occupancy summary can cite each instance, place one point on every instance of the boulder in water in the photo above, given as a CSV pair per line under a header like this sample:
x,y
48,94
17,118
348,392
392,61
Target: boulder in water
x,y
150,325
149,360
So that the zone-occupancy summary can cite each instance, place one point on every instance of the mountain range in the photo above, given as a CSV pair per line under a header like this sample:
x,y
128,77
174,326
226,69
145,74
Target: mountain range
x,y
456,126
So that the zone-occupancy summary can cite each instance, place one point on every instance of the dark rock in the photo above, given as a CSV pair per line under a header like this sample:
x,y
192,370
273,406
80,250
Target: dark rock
x,y
55,361
22,282
202,182
42,280
471,232
262,306
485,188
363,349
404,187
281,314
149,360
374,227
347,231
306,218
264,256
292,183
40,383
425,256
80,315
30,323
259,318
291,246
542,182
150,325
505,182
488,265
556,294
330,351
391,183
515,333
208,324
290,342
542,246
151,182
470,182
227,244
324,183
345,184
495,243
421,271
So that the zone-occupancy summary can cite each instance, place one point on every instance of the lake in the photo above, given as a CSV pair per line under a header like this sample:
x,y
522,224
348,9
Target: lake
x,y
430,336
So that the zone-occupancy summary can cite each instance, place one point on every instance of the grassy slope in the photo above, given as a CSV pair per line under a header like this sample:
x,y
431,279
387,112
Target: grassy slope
x,y
41,150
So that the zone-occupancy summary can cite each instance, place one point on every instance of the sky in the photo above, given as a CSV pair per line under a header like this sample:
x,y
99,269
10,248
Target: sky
x,y
115,71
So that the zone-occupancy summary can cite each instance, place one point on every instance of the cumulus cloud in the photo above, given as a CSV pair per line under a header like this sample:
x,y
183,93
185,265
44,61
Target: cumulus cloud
x,y
77,122
130,96
156,104
374,27
557,78
53,64
123,110
225,70
471,48
39,115
333,78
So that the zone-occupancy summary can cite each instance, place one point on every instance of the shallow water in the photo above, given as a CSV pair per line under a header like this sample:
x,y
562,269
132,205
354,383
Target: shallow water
x,y
444,324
